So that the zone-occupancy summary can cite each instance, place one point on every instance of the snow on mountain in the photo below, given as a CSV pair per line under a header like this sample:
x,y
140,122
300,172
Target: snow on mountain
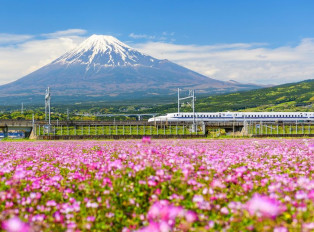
x,y
104,51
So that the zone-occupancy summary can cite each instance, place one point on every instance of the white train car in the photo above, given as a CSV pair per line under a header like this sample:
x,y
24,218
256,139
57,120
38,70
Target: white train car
x,y
236,116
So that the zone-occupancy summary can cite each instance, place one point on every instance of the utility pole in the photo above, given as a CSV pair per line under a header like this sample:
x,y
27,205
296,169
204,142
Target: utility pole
x,y
47,104
22,108
178,100
191,95
193,106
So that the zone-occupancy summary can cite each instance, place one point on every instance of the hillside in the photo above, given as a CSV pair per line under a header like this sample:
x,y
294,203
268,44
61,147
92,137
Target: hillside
x,y
288,97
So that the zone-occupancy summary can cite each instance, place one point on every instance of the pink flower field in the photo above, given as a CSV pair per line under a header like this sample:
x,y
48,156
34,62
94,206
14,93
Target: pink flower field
x,y
157,185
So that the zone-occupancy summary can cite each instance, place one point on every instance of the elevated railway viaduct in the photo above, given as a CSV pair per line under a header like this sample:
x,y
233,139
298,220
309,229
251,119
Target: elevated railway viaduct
x,y
256,129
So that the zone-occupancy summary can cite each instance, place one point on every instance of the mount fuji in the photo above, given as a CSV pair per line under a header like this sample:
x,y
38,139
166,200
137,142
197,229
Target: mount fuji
x,y
102,67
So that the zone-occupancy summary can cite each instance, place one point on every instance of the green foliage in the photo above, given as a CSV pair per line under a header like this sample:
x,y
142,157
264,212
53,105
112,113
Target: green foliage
x,y
288,97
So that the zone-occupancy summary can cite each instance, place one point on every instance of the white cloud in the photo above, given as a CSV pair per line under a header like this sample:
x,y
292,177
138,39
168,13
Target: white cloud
x,y
13,38
247,63
19,60
141,36
65,33
164,36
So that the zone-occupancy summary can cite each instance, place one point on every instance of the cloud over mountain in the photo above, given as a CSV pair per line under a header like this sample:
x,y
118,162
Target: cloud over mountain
x,y
243,62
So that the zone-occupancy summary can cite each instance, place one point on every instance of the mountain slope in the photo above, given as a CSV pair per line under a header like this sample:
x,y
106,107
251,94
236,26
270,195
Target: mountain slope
x,y
103,66
288,97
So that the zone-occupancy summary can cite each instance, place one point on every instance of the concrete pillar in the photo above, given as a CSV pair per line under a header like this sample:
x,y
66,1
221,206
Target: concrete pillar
x,y
5,131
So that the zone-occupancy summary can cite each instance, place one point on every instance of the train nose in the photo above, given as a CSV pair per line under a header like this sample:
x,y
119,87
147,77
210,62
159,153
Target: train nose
x,y
156,119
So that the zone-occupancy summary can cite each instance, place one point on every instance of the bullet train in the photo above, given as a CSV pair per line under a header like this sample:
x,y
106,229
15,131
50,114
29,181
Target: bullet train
x,y
236,116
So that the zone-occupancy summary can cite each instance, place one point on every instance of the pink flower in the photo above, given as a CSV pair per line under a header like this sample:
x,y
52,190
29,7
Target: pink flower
x,y
160,172
152,227
280,229
19,174
162,210
311,195
224,210
146,139
308,226
263,206
190,216
90,218
107,181
198,199
15,225
51,203
151,183
58,216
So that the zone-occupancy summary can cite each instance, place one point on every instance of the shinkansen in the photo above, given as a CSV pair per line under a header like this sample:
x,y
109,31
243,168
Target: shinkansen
x,y
236,116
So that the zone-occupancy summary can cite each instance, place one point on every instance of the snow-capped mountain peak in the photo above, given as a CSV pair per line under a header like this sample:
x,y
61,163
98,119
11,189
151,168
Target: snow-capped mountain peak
x,y
104,68
99,51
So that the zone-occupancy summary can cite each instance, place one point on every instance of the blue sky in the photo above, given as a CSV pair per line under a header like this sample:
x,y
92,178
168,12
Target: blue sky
x,y
269,35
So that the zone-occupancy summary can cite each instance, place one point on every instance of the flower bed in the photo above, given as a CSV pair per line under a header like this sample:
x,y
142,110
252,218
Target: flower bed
x,y
158,185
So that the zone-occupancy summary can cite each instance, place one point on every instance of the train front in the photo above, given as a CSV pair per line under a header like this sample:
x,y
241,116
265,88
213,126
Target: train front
x,y
158,119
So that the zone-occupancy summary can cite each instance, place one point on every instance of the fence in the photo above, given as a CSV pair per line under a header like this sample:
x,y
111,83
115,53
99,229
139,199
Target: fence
x,y
119,130
292,129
